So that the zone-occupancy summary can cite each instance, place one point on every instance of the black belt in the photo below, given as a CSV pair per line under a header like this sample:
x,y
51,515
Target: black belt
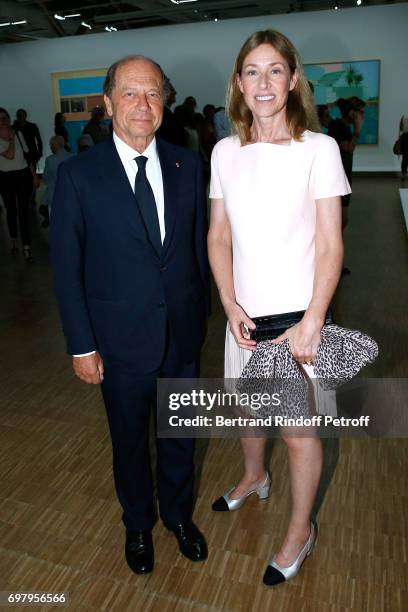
x,y
271,326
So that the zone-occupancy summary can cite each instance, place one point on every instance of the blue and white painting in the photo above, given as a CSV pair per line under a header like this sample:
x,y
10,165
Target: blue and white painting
x,y
345,79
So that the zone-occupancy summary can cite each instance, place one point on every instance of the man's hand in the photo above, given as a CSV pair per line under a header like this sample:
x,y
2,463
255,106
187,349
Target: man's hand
x,y
89,368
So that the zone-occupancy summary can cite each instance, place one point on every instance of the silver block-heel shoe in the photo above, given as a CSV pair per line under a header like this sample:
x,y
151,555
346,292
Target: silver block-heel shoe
x,y
226,504
275,573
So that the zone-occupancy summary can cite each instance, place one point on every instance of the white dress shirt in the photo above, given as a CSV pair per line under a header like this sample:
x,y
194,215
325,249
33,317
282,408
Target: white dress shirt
x,y
154,176
153,172
18,162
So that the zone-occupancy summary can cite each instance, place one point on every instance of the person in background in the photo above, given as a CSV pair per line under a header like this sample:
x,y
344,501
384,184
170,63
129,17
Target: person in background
x,y
189,125
188,108
171,130
31,135
34,143
190,103
52,163
207,132
16,185
346,132
207,139
95,127
324,117
61,130
403,127
403,137
84,143
222,127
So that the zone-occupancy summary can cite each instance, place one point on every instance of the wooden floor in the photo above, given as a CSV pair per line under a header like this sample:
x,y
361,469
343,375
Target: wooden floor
x,y
60,524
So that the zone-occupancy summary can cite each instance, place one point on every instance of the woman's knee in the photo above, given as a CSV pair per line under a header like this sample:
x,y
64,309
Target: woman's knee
x,y
301,444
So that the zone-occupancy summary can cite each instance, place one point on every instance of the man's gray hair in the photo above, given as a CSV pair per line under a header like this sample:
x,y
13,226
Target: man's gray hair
x,y
57,141
110,79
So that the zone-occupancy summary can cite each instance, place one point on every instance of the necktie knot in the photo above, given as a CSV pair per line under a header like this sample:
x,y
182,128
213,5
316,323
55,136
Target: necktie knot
x,y
141,162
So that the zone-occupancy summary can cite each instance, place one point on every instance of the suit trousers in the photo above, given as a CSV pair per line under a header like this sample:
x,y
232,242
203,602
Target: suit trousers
x,y
16,188
129,399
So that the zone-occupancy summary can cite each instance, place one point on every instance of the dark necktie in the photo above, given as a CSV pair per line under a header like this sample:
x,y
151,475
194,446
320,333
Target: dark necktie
x,y
147,203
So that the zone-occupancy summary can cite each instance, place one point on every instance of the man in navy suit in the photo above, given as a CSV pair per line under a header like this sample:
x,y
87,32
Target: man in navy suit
x,y
128,249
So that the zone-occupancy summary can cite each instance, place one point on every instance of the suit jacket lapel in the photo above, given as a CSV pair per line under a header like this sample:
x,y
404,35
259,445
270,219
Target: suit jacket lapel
x,y
113,175
169,168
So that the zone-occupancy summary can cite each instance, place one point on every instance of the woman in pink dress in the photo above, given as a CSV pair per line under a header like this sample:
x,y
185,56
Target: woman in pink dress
x,y
275,247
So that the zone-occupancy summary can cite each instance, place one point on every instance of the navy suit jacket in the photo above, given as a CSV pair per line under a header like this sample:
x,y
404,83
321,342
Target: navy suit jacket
x,y
115,293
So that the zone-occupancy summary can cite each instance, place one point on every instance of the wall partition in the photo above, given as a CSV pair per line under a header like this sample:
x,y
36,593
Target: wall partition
x,y
198,58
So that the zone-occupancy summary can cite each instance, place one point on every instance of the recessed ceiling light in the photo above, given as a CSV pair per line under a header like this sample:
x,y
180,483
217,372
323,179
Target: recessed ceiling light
x,y
12,23
182,1
59,17
73,15
86,25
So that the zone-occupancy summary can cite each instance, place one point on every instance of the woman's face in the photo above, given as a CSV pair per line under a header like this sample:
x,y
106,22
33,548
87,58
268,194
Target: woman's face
x,y
265,81
4,120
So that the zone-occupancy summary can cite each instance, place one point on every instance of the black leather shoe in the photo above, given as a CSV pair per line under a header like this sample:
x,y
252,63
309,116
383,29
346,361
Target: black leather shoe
x,y
191,541
139,551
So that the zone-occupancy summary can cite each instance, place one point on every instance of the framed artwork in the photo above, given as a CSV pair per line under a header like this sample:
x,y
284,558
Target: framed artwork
x,y
335,80
75,93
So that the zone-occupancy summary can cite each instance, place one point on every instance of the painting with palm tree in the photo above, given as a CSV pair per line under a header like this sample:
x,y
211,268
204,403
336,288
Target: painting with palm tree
x,y
332,81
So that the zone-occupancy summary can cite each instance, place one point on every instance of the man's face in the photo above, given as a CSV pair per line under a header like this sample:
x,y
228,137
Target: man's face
x,y
191,104
21,118
136,103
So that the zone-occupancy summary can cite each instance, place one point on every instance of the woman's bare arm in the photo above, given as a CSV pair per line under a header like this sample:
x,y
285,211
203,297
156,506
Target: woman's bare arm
x,y
328,254
220,256
304,338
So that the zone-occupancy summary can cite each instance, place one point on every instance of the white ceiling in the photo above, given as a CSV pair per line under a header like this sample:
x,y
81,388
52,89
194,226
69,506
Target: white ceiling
x,y
130,14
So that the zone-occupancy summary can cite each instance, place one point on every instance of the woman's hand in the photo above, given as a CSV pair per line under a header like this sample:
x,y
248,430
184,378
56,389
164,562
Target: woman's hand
x,y
238,319
304,338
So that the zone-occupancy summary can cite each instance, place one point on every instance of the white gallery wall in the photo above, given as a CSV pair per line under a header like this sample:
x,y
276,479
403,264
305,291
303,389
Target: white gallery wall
x,y
198,58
